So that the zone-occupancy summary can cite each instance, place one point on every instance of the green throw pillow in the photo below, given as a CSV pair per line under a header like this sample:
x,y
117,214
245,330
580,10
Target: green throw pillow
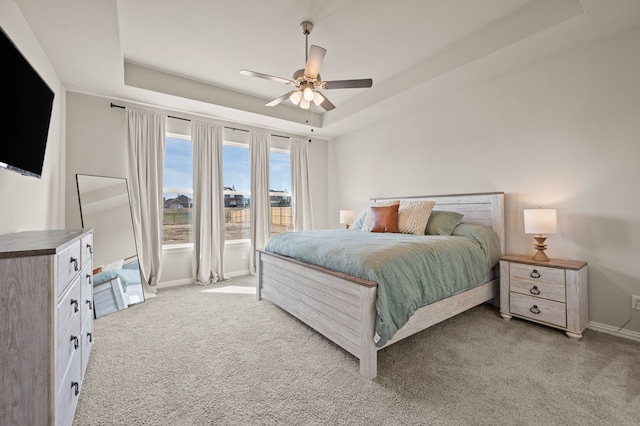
x,y
442,222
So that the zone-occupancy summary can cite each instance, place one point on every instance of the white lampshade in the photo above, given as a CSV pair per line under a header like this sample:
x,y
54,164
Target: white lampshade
x,y
318,99
305,104
540,221
295,97
346,217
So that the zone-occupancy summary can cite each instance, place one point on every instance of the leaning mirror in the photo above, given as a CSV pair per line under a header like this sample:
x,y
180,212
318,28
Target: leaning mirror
x,y
104,207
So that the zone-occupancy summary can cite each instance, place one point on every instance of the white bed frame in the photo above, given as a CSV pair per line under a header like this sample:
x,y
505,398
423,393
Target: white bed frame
x,y
342,307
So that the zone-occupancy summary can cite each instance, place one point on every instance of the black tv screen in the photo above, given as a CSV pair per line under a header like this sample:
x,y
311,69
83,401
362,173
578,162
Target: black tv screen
x,y
25,112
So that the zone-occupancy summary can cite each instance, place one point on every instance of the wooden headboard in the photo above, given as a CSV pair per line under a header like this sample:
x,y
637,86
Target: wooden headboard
x,y
486,208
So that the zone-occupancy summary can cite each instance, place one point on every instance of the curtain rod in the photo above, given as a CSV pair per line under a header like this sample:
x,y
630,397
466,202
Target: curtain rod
x,y
186,119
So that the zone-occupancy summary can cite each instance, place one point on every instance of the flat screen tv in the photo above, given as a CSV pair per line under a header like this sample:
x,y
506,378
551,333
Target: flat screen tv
x,y
25,113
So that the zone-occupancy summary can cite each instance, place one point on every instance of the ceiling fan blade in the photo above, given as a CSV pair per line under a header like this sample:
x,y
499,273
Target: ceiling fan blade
x,y
327,105
281,98
266,76
314,60
347,84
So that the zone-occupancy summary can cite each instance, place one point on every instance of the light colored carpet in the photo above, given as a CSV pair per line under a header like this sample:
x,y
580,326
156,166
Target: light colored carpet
x,y
195,356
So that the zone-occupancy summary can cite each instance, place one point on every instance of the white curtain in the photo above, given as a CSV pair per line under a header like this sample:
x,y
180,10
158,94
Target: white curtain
x,y
146,142
208,203
259,145
300,192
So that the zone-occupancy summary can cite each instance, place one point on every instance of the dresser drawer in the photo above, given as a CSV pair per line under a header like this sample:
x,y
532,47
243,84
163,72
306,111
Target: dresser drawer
x,y
86,249
71,344
538,309
68,311
87,343
538,289
67,392
68,266
86,292
537,273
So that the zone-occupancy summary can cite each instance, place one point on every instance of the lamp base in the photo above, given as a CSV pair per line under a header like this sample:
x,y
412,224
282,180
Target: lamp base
x,y
540,255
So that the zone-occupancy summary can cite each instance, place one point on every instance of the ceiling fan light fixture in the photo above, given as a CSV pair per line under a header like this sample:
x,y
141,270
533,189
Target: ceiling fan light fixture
x,y
306,81
318,98
295,97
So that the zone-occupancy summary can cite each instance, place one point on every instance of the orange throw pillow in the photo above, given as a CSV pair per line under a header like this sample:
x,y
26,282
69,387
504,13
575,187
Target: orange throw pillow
x,y
385,219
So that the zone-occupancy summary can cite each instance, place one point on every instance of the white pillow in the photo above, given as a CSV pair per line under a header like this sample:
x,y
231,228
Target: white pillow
x,y
368,223
413,216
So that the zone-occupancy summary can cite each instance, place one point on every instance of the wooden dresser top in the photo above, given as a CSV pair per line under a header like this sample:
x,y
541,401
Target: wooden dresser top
x,y
38,243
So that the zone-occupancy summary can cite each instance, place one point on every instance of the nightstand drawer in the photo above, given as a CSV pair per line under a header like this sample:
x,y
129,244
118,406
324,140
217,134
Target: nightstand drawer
x,y
537,273
538,309
539,289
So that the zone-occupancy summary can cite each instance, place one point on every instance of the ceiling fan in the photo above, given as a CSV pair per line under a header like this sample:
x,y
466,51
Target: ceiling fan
x,y
307,81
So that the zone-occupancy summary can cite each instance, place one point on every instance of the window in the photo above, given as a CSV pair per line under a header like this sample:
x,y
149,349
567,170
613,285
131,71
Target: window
x,y
177,224
236,168
280,191
237,192
236,171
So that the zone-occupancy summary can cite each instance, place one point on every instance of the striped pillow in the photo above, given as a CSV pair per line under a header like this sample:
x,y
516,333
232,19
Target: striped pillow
x,y
413,216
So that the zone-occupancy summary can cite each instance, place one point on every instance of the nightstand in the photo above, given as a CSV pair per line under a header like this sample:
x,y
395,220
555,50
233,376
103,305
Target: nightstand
x,y
552,293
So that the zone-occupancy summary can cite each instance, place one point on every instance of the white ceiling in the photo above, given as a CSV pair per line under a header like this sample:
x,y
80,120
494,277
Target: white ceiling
x,y
186,55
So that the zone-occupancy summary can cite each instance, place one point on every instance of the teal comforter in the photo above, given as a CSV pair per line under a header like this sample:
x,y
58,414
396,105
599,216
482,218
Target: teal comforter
x,y
411,270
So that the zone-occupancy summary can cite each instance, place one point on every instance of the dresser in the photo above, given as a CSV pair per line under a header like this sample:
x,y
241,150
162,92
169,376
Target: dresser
x,y
552,293
46,324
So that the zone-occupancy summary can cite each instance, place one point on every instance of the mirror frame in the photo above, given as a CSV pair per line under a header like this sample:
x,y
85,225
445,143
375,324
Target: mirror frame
x,y
139,296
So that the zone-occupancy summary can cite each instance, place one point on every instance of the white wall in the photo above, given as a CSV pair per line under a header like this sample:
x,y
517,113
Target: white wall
x,y
564,134
30,203
96,145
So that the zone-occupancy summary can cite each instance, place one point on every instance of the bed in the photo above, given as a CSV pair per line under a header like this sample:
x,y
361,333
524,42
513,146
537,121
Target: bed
x,y
342,306
116,288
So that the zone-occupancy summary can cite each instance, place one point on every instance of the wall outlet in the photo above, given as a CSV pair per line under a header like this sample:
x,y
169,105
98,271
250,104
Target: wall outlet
x,y
635,301
244,257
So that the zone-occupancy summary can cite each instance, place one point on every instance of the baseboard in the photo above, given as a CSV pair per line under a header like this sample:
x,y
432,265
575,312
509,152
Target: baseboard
x,y
607,329
174,283
236,274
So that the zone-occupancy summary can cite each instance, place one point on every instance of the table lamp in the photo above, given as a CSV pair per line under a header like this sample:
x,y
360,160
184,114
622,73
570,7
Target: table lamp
x,y
540,222
346,218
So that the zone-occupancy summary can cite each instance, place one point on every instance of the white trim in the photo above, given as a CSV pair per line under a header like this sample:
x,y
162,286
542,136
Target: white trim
x,y
178,136
607,329
281,151
237,273
174,283
177,248
246,241
244,145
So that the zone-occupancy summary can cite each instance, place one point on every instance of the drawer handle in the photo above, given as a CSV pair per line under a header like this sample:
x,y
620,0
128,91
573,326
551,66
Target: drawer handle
x,y
89,303
535,274
534,290
90,248
88,276
76,386
74,302
75,263
76,342
90,336
535,310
